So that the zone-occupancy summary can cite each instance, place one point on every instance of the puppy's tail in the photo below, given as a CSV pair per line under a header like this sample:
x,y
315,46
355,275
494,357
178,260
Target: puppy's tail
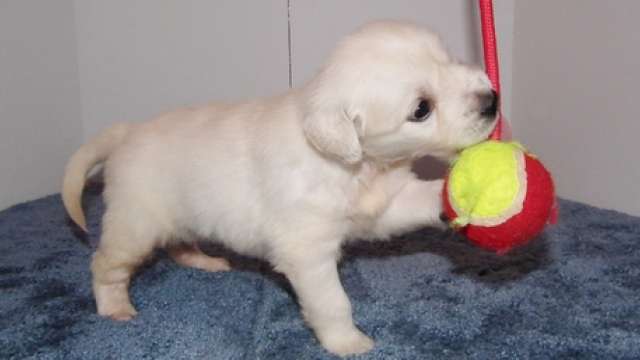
x,y
82,161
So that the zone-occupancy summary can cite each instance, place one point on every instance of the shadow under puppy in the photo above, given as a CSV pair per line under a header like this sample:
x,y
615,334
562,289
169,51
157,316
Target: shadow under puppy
x,y
288,178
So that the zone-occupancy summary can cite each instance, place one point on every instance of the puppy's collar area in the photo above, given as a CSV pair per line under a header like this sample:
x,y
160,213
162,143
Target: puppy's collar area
x,y
371,198
384,164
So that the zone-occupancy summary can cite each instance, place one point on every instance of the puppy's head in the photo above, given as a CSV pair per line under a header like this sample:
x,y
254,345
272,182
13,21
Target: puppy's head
x,y
391,92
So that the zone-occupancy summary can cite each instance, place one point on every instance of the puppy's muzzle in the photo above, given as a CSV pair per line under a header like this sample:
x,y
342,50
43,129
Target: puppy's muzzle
x,y
488,105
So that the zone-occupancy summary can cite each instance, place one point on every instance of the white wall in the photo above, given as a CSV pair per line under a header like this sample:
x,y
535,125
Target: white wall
x,y
39,100
158,55
576,95
139,58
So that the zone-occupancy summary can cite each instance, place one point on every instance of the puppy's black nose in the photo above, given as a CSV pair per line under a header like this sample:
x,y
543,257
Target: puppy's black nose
x,y
488,104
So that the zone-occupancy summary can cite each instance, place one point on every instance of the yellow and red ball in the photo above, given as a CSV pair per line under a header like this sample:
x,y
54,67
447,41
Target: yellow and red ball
x,y
498,195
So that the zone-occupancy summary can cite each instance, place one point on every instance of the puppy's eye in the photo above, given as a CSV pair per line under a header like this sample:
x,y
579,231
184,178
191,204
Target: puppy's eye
x,y
422,112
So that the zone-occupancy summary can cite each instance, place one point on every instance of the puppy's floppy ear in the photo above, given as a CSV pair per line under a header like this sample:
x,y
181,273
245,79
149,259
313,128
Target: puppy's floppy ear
x,y
333,132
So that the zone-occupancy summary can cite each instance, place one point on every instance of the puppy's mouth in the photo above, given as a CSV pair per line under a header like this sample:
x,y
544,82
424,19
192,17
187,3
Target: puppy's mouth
x,y
482,129
479,132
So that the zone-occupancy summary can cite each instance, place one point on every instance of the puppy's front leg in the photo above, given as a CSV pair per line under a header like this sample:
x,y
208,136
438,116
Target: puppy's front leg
x,y
417,205
312,270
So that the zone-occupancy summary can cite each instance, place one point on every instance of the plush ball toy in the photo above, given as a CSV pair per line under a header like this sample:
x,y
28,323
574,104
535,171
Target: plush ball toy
x,y
498,195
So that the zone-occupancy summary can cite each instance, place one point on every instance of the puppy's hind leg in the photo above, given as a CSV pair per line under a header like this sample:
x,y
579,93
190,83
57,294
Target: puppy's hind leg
x,y
123,246
191,255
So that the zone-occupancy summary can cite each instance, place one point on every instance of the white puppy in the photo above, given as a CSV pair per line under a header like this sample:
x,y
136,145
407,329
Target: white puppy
x,y
289,178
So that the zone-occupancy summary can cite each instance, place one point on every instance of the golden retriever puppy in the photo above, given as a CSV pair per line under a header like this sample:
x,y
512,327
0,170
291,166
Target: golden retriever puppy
x,y
289,178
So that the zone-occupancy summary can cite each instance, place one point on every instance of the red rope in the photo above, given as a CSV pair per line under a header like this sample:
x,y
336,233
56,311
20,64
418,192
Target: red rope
x,y
490,48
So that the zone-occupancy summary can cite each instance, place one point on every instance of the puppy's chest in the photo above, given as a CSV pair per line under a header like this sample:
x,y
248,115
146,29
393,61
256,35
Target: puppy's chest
x,y
372,196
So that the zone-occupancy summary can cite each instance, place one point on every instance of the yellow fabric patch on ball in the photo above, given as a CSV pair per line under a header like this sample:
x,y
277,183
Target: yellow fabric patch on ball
x,y
485,181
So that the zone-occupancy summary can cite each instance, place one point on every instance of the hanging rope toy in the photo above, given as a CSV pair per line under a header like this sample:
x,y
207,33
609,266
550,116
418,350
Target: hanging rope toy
x,y
496,193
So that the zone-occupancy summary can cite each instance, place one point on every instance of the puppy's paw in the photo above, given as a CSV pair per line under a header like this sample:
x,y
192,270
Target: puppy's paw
x,y
343,343
443,223
123,315
192,256
214,264
112,301
124,312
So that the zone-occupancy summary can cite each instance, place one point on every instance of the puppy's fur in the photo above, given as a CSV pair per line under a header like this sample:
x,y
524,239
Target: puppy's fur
x,y
289,178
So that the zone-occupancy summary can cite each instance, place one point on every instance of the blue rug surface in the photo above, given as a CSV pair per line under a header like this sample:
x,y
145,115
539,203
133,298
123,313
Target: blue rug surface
x,y
573,293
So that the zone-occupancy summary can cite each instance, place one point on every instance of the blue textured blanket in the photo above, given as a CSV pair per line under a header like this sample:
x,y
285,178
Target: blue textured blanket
x,y
573,293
